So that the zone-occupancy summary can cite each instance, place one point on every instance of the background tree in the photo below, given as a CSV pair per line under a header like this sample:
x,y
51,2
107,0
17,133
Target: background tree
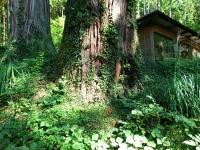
x,y
3,21
30,25
183,11
57,20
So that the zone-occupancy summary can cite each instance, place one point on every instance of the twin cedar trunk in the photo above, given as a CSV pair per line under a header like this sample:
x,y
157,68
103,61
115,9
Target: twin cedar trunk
x,y
93,44
29,21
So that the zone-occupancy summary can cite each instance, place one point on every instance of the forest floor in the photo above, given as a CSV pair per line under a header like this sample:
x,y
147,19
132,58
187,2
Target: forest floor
x,y
39,114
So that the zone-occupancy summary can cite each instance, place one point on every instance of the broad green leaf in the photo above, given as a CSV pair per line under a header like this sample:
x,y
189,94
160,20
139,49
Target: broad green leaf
x,y
129,139
166,142
113,142
95,137
140,138
137,112
158,141
137,144
119,140
144,139
156,133
151,144
127,132
93,145
102,144
123,146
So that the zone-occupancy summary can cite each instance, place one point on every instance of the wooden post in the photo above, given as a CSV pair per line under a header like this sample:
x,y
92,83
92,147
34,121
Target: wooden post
x,y
118,69
190,49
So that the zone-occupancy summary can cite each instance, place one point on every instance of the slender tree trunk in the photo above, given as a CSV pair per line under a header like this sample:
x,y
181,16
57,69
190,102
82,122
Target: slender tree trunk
x,y
4,26
30,24
138,10
157,5
161,3
3,23
170,9
144,7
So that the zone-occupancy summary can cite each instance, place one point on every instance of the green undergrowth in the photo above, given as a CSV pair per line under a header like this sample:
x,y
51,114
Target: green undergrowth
x,y
174,83
52,121
162,113
66,122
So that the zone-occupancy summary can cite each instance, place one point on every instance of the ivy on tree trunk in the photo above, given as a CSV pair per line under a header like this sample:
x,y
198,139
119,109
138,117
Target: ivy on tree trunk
x,y
92,28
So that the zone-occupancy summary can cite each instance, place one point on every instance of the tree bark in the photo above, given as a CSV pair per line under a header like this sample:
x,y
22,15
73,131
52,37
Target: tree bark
x,y
89,46
4,26
30,23
3,23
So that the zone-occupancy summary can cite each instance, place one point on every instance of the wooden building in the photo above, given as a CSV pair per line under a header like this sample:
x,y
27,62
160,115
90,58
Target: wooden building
x,y
162,36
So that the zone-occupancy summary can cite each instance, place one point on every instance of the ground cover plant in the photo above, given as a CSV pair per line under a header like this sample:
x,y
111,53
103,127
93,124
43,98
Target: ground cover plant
x,y
74,76
57,118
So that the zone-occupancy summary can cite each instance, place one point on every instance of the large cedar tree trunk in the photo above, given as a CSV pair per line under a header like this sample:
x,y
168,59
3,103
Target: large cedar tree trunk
x,y
30,24
84,39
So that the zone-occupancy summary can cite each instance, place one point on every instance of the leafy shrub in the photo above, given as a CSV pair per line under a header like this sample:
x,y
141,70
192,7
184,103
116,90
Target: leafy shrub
x,y
57,26
49,101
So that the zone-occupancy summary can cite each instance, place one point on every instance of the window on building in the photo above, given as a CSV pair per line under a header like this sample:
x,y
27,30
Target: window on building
x,y
164,46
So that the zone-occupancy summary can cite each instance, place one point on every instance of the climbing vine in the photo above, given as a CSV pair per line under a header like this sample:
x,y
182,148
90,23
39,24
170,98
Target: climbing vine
x,y
83,20
79,23
109,56
130,62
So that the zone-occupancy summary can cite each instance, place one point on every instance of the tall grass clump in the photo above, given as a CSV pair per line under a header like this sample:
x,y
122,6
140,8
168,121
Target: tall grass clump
x,y
175,84
185,95
11,69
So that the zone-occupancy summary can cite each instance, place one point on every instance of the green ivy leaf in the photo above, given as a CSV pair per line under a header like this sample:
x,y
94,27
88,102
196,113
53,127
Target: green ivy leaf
x,y
113,142
123,146
129,139
166,142
137,144
95,137
119,140
93,144
158,141
151,144
140,138
156,133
